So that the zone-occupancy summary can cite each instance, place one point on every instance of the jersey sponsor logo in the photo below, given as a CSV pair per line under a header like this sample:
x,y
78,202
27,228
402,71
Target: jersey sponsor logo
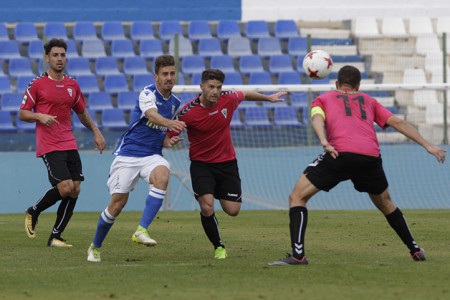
x,y
225,112
163,129
69,90
213,113
60,85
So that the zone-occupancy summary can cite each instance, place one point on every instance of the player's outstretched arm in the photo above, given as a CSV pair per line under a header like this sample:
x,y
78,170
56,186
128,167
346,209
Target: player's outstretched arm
x,y
154,117
255,96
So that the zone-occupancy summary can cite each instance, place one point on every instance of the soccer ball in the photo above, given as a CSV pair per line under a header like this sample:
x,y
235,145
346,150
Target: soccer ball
x,y
317,64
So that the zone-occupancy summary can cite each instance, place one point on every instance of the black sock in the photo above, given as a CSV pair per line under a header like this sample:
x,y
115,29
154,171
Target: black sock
x,y
298,217
211,227
63,215
398,223
49,199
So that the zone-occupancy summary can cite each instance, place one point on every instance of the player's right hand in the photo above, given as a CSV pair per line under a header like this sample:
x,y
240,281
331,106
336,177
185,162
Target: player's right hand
x,y
48,120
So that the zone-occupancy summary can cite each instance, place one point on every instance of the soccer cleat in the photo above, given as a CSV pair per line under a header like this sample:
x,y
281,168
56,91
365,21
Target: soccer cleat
x,y
93,254
419,255
289,260
142,237
58,243
220,253
30,225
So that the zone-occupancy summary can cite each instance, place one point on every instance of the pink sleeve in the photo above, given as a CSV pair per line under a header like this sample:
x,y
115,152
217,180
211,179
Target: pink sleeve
x,y
382,114
80,103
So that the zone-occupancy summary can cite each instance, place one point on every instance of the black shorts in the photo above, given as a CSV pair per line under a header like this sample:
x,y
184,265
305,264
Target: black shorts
x,y
219,179
63,165
366,172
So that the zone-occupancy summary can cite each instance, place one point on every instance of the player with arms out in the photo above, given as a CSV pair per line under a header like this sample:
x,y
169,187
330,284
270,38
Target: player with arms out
x,y
48,101
139,155
214,169
343,121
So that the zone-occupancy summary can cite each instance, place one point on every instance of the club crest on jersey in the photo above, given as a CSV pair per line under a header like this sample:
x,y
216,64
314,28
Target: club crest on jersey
x,y
224,112
69,90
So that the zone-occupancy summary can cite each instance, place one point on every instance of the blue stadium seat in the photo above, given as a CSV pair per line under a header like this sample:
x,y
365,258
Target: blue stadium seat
x,y
142,80
168,28
268,46
84,30
299,99
9,49
256,116
192,64
23,81
209,47
25,32
141,30
6,124
71,49
196,78
25,126
180,79
99,101
227,29
77,66
122,48
325,80
113,119
250,63
115,83
185,97
150,49
332,41
54,30
93,49
112,30
199,29
239,46
88,83
248,103
280,63
134,65
5,86
19,67
11,101
297,46
236,120
260,78
233,78
106,65
347,58
222,62
127,100
184,47
284,29
3,32
256,29
285,115
289,77
36,50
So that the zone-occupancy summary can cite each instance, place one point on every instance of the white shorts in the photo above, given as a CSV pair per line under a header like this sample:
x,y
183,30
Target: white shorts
x,y
125,172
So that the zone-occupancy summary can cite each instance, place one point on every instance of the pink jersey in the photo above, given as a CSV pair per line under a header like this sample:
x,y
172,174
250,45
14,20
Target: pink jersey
x,y
208,129
57,98
349,121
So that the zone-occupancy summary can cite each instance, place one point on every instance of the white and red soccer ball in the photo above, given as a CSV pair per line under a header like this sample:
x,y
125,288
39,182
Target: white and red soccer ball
x,y
317,64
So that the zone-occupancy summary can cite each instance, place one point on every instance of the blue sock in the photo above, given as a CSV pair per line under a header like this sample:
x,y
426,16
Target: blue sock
x,y
153,203
105,222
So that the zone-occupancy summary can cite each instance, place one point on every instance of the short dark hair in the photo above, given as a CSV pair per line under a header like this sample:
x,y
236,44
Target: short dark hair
x,y
60,43
163,61
213,74
349,75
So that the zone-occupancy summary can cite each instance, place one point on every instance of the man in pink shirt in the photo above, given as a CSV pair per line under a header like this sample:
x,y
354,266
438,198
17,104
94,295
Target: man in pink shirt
x,y
343,122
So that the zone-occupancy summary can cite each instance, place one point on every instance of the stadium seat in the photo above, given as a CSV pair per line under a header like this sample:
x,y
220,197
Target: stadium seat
x,y
285,29
299,99
3,32
36,50
6,124
99,101
23,81
141,30
209,47
93,49
289,77
25,32
5,86
112,30
285,115
11,101
192,64
54,30
260,78
227,29
84,30
420,25
113,119
127,100
88,83
196,78
297,46
233,78
199,29
77,66
71,49
25,126
236,120
222,62
9,49
19,67
184,47
393,27
365,27
250,63
280,63
426,43
168,29
142,80
122,48
256,116
115,83
256,29
442,24
268,46
135,65
150,49
106,65
239,46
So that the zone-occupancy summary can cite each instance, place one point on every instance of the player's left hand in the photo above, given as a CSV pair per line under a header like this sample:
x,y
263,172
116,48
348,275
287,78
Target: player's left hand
x,y
277,97
170,142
